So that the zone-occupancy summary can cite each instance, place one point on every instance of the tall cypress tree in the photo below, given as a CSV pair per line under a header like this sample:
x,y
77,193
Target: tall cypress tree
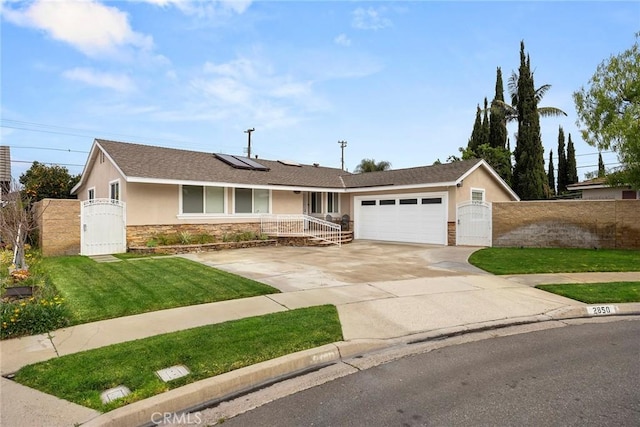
x,y
572,169
474,141
551,175
562,163
484,134
529,176
498,121
601,170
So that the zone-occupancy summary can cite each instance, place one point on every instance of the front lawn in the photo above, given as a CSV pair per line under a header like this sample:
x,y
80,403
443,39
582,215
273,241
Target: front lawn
x,y
206,351
554,260
597,293
96,291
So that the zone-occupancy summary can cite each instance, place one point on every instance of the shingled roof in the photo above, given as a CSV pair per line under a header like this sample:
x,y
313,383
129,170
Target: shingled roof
x,y
443,173
150,163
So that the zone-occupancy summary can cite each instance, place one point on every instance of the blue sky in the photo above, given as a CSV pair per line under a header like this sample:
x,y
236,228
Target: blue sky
x,y
399,81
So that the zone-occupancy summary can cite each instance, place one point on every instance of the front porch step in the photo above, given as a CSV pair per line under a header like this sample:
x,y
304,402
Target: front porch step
x,y
345,237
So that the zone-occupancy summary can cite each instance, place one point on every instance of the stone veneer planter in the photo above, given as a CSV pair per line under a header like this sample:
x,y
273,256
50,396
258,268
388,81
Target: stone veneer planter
x,y
207,247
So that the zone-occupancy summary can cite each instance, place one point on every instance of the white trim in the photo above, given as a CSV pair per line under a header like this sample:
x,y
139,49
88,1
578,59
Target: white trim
x,y
225,208
89,195
91,160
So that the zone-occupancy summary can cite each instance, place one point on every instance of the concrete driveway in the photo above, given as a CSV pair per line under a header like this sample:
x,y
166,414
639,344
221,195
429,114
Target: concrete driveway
x,y
297,268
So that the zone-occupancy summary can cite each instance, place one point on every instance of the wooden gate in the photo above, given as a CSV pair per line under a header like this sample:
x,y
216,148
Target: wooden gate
x,y
473,225
103,227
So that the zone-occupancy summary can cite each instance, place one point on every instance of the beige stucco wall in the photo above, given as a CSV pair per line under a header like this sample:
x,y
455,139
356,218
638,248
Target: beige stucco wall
x,y
152,204
99,177
286,202
481,179
159,204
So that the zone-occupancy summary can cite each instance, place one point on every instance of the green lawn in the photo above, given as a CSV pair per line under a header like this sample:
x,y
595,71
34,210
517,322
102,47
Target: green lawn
x,y
597,293
552,260
96,291
206,351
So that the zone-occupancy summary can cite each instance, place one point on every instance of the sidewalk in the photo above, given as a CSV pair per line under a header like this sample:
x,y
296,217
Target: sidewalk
x,y
373,312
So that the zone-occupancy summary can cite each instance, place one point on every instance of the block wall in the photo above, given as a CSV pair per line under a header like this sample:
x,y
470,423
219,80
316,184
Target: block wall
x,y
58,226
567,224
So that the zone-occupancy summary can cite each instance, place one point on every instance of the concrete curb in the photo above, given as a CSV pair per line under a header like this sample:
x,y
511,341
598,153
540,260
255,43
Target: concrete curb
x,y
201,393
231,383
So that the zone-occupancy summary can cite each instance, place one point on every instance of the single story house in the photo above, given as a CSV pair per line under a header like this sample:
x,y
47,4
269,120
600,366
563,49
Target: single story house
x,y
171,190
598,189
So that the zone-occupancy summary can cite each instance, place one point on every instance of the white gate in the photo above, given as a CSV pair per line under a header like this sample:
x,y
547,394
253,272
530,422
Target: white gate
x,y
473,227
103,227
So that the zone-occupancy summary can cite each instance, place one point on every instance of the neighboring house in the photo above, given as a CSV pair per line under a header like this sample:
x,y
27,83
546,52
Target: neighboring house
x,y
598,189
168,190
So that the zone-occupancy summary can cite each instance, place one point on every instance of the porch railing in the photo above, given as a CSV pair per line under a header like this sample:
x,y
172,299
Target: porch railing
x,y
300,225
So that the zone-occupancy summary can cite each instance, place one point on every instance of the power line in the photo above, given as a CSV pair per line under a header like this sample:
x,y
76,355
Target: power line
x,y
68,150
45,163
86,133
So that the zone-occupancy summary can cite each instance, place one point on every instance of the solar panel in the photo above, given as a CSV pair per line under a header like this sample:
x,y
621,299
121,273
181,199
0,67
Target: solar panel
x,y
230,160
241,162
254,165
289,163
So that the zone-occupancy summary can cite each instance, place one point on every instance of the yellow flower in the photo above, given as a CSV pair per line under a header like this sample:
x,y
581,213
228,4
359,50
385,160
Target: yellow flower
x,y
22,304
17,310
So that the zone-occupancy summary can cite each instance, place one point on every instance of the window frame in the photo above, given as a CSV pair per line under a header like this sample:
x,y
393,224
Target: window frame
x,y
253,201
335,203
204,202
91,193
115,183
476,191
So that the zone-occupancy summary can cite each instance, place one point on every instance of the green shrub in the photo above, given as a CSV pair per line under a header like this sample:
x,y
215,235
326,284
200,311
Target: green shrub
x,y
185,237
152,243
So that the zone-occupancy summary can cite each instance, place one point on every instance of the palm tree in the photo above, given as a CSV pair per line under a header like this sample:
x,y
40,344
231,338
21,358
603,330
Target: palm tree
x,y
370,165
511,111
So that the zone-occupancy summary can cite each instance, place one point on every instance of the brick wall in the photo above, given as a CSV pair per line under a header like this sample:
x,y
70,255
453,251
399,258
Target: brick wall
x,y
451,233
139,235
571,223
58,226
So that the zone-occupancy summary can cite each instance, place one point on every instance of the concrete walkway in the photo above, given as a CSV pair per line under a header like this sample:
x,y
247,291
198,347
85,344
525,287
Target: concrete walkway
x,y
456,299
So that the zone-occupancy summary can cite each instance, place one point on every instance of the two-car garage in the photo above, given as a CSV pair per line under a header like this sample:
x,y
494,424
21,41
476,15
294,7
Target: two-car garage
x,y
413,218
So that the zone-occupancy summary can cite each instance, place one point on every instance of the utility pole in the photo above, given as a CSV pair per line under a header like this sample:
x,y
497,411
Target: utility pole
x,y
248,132
342,145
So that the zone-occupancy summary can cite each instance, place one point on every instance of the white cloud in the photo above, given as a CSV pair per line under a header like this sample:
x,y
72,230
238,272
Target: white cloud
x,y
206,8
120,83
342,40
370,19
92,28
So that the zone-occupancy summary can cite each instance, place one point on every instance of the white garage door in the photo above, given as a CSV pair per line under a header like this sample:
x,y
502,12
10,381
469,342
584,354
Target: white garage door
x,y
415,218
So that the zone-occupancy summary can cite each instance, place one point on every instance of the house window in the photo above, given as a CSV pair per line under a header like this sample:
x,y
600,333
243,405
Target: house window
x,y
114,190
249,200
408,201
628,194
316,203
91,193
477,195
199,199
333,200
368,203
432,201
